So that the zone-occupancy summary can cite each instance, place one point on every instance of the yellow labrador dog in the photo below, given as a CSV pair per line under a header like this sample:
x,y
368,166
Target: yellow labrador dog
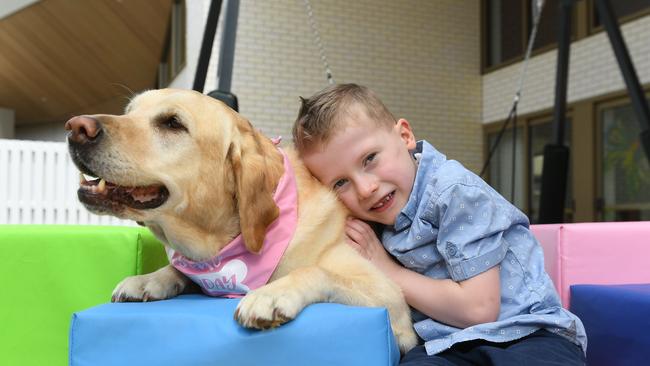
x,y
199,176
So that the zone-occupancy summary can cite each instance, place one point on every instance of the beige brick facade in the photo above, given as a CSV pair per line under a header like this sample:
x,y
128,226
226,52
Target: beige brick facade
x,y
421,56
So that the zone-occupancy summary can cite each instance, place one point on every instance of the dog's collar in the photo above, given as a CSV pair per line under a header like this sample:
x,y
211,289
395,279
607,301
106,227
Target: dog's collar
x,y
235,270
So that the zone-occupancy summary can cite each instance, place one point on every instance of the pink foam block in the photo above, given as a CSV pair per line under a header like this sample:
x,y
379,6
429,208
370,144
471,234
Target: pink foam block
x,y
603,253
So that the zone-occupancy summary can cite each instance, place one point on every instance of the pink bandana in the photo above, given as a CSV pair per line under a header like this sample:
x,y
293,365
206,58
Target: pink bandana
x,y
235,270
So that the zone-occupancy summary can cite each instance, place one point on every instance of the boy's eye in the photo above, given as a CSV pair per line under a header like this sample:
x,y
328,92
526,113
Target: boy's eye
x,y
369,158
339,183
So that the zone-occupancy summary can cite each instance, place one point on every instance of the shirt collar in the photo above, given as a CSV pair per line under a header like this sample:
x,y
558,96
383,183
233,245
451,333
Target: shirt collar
x,y
428,162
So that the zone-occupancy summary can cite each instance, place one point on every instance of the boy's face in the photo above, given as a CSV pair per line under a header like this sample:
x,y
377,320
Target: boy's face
x,y
368,166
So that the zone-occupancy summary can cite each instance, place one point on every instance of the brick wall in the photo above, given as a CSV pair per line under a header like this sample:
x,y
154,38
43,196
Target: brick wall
x,y
593,71
421,56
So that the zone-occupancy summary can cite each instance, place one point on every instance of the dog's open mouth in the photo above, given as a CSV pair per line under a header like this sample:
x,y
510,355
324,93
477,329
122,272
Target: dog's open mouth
x,y
98,192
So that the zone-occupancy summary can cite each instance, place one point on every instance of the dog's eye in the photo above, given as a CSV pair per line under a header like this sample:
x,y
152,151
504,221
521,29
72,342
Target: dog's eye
x,y
172,122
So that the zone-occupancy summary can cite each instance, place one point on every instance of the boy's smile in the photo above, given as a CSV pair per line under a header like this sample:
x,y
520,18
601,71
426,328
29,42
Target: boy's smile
x,y
385,203
368,165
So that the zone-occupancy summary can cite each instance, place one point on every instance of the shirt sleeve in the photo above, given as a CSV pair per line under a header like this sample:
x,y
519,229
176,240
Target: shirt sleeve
x,y
472,221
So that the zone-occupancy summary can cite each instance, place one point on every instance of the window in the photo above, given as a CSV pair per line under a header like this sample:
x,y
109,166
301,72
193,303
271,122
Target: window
x,y
539,136
500,169
532,137
173,59
508,24
625,178
623,9
547,32
504,29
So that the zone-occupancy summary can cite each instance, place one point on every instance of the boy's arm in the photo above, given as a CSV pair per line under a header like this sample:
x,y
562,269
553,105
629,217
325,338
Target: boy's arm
x,y
460,304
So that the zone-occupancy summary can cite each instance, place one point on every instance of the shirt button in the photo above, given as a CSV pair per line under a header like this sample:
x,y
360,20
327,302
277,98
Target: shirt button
x,y
451,249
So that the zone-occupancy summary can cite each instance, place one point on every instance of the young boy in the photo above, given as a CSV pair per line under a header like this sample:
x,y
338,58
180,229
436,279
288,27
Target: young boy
x,y
462,254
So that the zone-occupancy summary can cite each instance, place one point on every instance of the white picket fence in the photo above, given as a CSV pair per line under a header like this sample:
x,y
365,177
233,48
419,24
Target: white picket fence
x,y
38,185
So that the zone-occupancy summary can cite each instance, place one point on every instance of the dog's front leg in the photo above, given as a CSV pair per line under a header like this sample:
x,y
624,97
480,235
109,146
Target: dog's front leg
x,y
341,276
164,283
281,300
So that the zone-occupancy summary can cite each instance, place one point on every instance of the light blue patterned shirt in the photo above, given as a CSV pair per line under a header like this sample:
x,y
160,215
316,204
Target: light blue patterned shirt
x,y
456,226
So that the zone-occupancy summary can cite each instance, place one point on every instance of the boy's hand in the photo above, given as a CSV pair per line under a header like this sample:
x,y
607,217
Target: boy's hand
x,y
361,236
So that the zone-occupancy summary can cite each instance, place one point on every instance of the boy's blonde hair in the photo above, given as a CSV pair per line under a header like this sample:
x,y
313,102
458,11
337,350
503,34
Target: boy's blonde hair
x,y
321,115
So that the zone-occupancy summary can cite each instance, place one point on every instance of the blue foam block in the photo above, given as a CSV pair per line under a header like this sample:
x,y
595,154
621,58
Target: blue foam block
x,y
200,330
617,319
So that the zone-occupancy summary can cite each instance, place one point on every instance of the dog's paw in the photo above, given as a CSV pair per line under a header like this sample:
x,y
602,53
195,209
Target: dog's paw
x,y
268,307
143,288
406,338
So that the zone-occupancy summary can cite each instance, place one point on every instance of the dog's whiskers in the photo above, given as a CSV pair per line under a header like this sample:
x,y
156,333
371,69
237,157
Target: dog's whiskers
x,y
129,90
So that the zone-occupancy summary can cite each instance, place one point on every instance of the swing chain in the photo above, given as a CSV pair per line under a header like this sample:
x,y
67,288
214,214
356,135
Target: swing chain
x,y
319,42
537,6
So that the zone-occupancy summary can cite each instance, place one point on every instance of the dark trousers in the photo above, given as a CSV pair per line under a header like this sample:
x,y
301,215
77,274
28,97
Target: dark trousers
x,y
539,348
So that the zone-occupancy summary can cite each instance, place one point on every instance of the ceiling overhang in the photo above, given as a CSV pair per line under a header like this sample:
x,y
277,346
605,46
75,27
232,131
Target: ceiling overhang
x,y
62,58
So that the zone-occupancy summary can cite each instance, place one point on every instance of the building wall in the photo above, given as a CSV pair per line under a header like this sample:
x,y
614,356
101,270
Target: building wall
x,y
422,57
593,71
7,122
41,131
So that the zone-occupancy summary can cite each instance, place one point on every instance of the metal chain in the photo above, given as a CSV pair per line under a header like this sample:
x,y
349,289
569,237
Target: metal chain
x,y
319,42
537,6
537,11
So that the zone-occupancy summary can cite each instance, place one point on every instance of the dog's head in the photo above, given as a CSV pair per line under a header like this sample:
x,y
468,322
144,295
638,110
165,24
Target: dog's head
x,y
189,167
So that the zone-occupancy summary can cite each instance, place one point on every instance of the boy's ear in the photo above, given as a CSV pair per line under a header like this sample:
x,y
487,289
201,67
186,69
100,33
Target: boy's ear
x,y
405,133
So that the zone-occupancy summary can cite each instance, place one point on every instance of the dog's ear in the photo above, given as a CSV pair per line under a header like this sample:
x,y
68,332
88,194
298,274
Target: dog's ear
x,y
254,186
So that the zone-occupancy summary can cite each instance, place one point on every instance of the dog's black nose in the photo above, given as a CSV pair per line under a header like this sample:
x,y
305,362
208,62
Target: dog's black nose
x,y
83,129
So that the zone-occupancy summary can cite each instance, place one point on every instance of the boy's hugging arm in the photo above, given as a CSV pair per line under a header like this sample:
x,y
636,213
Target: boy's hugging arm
x,y
459,304
471,221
